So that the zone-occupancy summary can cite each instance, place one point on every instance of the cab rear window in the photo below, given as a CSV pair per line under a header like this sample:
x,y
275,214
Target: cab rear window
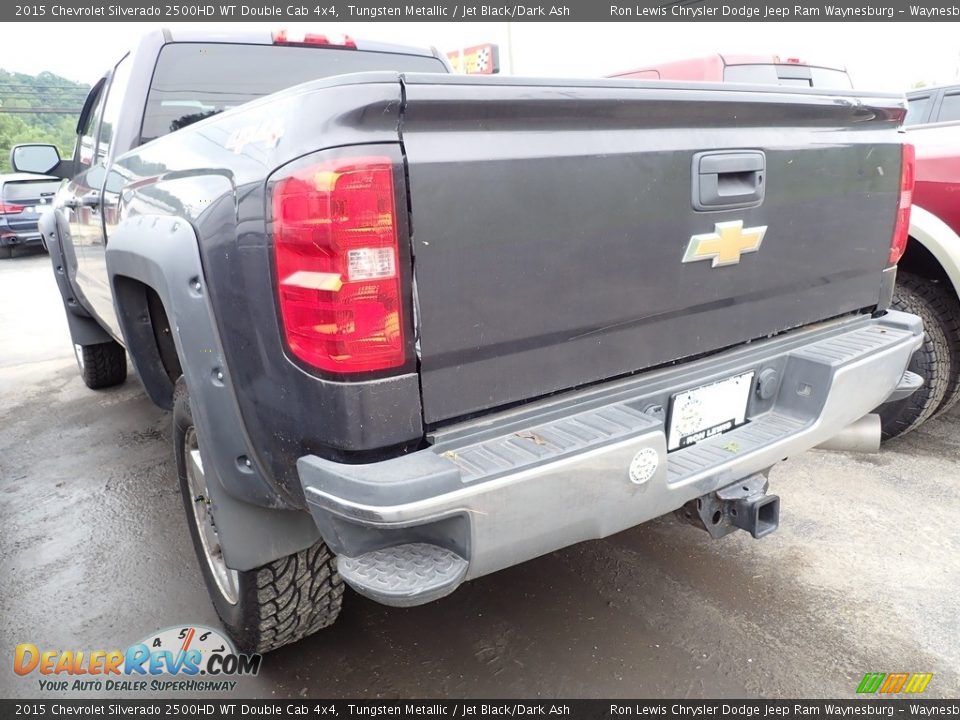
x,y
193,81
917,110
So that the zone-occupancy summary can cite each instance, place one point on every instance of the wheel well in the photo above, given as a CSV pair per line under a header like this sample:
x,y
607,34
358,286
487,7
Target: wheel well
x,y
163,335
149,338
920,261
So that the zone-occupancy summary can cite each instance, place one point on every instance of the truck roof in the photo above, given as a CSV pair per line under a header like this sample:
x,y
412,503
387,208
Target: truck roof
x,y
717,61
932,88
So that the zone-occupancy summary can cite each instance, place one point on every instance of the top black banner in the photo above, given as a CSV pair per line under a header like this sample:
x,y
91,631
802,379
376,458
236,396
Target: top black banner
x,y
470,11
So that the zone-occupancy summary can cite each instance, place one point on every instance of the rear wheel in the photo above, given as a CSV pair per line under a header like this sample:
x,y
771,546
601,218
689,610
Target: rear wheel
x,y
270,606
947,307
102,365
935,361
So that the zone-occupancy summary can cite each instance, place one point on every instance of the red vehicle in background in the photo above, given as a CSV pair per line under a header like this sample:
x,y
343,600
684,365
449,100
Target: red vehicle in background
x,y
760,69
933,125
928,278
928,275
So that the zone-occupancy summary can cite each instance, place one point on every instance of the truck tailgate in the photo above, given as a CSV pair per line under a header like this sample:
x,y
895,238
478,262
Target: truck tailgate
x,y
551,223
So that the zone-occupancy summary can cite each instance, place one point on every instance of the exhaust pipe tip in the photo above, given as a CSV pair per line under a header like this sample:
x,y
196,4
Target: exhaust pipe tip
x,y
862,436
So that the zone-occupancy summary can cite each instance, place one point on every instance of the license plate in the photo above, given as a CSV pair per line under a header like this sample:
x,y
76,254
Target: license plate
x,y
706,411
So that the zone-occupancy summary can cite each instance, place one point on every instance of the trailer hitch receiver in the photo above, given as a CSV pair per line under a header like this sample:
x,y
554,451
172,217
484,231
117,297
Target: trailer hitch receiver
x,y
744,505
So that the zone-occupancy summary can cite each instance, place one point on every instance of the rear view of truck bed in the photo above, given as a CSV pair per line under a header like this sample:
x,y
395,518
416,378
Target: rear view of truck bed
x,y
567,234
628,299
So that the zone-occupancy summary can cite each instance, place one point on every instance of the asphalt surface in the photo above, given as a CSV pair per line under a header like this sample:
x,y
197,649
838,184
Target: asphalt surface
x,y
863,575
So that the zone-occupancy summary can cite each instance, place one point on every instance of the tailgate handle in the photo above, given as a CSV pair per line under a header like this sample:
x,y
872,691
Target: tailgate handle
x,y
728,179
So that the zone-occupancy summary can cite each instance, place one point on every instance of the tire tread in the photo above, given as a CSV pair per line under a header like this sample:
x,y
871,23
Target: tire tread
x,y
933,361
279,602
104,365
299,595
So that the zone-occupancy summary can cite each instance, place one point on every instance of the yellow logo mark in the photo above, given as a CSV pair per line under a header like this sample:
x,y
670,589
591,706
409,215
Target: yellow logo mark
x,y
725,245
918,682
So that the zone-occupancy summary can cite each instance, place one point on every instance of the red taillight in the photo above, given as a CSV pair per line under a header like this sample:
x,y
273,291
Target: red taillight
x,y
282,37
8,209
337,262
901,229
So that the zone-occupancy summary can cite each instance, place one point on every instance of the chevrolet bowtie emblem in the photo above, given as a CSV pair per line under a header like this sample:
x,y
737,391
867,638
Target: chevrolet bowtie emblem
x,y
725,245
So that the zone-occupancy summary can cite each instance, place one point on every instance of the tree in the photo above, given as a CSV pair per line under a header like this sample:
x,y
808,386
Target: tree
x,y
58,102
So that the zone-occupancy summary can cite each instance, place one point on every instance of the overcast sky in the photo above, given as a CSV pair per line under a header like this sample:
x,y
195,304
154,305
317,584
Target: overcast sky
x,y
879,56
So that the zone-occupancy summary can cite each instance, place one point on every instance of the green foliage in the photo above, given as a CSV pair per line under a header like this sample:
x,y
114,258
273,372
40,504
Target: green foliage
x,y
45,92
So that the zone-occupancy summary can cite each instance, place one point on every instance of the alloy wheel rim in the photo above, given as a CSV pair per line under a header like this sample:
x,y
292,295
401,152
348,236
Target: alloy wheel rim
x,y
226,579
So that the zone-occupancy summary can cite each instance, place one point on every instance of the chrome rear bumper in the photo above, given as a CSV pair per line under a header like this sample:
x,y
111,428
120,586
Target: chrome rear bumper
x,y
505,489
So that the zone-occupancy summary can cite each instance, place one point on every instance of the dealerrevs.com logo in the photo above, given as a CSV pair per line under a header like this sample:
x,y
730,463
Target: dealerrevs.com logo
x,y
191,659
894,683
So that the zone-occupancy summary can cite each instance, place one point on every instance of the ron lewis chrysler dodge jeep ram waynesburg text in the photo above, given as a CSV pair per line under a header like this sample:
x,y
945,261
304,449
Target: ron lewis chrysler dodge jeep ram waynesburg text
x,y
417,327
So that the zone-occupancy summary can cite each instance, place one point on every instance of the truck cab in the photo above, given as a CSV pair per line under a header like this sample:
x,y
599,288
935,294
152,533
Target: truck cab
x,y
171,80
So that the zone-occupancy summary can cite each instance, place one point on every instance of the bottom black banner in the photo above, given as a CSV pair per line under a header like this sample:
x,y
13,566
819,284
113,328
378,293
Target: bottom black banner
x,y
695,710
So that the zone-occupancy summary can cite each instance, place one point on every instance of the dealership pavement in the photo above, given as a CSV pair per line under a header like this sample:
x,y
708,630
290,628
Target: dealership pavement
x,y
863,575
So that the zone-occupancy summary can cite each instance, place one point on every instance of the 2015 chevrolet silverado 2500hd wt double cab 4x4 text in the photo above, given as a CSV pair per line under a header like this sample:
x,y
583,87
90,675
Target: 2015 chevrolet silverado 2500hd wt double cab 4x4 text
x,y
415,328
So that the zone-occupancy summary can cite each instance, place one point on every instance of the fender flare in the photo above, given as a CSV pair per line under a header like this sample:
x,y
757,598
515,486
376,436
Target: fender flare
x,y
942,242
255,521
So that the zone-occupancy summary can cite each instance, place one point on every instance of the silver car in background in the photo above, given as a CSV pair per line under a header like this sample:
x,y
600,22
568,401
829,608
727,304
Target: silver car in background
x,y
23,197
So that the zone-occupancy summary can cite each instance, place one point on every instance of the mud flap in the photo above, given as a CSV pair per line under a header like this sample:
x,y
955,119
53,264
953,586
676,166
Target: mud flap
x,y
256,520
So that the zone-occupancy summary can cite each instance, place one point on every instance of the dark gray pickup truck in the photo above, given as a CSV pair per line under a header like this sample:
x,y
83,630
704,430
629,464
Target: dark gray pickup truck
x,y
415,328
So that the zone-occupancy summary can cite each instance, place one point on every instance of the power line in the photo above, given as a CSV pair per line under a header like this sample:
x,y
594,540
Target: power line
x,y
45,87
40,111
15,102
40,95
28,86
68,98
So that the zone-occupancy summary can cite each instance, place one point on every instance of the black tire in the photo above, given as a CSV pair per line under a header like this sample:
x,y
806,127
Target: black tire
x,y
277,603
933,361
945,304
103,365
6,252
